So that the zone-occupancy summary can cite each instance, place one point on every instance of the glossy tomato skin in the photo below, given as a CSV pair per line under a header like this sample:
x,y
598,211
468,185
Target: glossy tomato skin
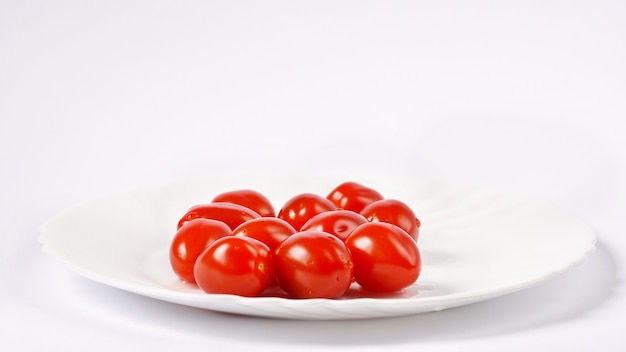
x,y
394,212
190,241
353,196
248,198
236,265
313,264
337,222
302,207
232,215
386,258
271,231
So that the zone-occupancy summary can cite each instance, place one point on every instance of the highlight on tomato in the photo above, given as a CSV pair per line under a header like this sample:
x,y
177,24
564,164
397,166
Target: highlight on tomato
x,y
232,215
190,241
313,264
337,222
353,196
386,258
248,198
300,208
271,231
236,265
394,212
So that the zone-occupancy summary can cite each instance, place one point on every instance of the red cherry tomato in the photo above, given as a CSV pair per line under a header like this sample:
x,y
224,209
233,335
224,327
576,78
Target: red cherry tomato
x,y
313,264
249,199
394,212
337,222
232,215
353,196
271,231
386,258
302,207
190,241
235,265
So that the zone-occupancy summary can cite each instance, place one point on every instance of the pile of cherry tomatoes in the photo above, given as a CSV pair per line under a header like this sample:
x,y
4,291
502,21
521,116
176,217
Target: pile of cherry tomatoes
x,y
315,247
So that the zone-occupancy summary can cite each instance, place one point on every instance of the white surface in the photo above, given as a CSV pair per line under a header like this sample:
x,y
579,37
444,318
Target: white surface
x,y
476,244
96,97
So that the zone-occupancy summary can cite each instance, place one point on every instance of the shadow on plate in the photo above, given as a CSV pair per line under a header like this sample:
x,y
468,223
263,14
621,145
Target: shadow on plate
x,y
564,297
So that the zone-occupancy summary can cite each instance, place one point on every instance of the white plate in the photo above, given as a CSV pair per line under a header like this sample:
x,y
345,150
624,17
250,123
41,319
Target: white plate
x,y
477,243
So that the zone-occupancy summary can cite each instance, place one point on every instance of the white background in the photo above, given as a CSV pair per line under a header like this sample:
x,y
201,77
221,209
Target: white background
x,y
97,97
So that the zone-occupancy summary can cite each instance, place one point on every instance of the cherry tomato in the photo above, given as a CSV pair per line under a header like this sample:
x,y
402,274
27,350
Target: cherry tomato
x,y
249,199
271,231
190,241
337,222
302,207
237,265
313,264
353,196
386,258
394,212
232,215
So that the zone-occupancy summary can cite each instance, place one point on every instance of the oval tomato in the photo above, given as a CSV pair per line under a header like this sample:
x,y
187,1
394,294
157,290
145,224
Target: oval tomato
x,y
271,231
302,207
190,241
394,212
337,222
235,265
232,215
313,264
248,198
353,196
386,258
